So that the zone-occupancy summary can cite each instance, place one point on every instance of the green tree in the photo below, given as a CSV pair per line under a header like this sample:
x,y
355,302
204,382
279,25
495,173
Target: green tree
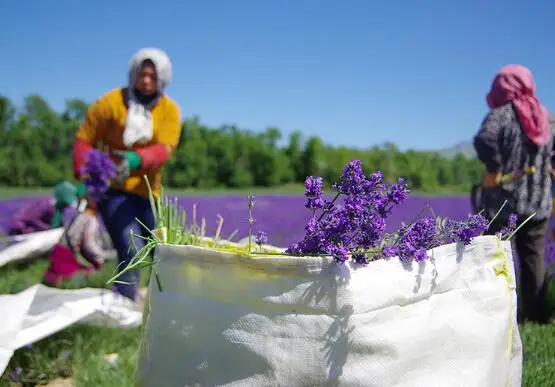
x,y
36,142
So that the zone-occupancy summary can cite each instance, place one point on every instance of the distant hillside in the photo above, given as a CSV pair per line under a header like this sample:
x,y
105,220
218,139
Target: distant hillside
x,y
466,148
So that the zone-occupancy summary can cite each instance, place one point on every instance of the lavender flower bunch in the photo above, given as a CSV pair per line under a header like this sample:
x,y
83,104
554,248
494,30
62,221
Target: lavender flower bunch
x,y
98,170
413,241
355,228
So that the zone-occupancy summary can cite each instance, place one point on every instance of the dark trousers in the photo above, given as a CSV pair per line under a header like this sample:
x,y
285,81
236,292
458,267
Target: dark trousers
x,y
532,278
120,211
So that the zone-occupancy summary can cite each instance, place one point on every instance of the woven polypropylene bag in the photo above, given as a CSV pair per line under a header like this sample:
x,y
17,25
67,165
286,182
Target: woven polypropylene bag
x,y
550,248
227,320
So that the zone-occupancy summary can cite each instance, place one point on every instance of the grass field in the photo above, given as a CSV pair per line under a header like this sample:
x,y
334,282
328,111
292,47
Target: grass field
x,y
79,352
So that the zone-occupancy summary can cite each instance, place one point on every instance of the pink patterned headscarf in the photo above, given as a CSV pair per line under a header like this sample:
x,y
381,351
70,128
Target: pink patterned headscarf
x,y
515,83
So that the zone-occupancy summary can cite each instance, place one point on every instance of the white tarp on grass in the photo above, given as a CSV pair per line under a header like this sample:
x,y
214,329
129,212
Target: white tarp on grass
x,y
41,311
21,248
30,246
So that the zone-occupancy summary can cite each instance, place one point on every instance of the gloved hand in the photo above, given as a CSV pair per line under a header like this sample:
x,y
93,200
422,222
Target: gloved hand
x,y
131,161
80,191
491,179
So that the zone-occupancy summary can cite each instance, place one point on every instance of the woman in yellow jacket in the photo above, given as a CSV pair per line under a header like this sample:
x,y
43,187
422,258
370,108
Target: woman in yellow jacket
x,y
140,127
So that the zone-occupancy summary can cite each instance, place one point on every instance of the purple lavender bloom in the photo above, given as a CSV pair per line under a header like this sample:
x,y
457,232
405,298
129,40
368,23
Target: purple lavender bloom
x,y
339,253
462,231
415,240
355,206
386,197
424,233
409,252
513,218
475,226
511,227
360,258
356,227
261,238
372,231
314,192
250,199
399,192
357,223
352,179
14,375
390,251
376,180
293,249
98,170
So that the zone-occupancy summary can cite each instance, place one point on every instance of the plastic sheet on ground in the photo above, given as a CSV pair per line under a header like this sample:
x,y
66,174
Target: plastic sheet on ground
x,y
40,311
30,246
22,248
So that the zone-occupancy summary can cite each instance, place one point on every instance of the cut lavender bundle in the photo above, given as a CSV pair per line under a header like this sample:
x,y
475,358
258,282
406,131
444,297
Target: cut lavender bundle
x,y
424,234
356,225
355,228
98,171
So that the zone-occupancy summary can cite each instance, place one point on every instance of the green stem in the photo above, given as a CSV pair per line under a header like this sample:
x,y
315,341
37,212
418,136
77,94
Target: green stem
x,y
518,228
497,213
250,228
412,222
324,212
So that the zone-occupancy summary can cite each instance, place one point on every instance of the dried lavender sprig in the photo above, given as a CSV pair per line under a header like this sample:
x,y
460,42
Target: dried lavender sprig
x,y
251,219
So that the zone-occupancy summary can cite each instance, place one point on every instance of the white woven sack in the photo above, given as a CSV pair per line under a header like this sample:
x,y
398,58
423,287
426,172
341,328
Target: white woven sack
x,y
227,320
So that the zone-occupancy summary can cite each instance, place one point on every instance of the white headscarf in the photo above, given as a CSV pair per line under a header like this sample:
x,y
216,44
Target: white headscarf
x,y
138,127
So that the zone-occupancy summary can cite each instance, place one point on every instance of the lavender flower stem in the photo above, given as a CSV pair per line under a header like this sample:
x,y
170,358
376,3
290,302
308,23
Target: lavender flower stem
x,y
518,228
412,222
331,204
251,220
497,213
250,229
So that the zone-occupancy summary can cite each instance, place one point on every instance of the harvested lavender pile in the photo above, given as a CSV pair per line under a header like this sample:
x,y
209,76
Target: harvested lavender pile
x,y
354,228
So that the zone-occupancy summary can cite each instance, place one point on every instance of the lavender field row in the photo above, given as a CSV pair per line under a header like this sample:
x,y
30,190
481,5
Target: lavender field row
x,y
282,217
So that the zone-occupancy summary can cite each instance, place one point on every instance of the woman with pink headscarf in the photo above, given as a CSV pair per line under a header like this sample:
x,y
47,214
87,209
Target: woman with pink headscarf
x,y
516,136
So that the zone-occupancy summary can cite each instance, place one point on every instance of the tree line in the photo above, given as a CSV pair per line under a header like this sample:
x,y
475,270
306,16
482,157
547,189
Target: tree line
x,y
36,141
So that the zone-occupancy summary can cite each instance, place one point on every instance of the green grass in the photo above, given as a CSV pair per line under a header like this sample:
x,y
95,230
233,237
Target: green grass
x,y
14,192
79,351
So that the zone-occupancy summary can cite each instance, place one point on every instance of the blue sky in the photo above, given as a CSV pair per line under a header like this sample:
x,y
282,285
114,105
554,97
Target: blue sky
x,y
355,72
